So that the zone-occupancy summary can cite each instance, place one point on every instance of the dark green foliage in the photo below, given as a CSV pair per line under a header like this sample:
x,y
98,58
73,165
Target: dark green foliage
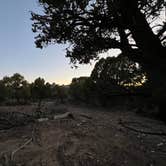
x,y
159,98
25,92
18,85
38,88
6,81
110,79
16,90
3,92
61,93
78,89
92,27
48,88
118,71
115,77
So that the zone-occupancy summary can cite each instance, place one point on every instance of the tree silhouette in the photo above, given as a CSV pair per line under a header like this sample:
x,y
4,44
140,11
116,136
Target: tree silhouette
x,y
61,93
96,26
15,88
117,77
93,26
119,71
17,81
77,89
38,90
6,83
3,92
25,92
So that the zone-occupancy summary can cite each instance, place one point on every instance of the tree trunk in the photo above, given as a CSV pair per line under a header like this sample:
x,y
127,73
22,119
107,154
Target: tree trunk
x,y
157,83
142,33
152,59
145,39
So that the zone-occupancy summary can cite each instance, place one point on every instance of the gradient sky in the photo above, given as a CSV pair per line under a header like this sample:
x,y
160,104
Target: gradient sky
x,y
18,52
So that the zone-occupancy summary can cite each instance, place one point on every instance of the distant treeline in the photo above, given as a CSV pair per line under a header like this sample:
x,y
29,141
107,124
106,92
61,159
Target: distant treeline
x,y
113,81
110,79
16,89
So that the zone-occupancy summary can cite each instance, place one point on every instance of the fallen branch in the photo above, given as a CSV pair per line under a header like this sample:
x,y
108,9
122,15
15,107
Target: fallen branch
x,y
8,159
9,120
32,139
66,115
21,147
63,116
140,131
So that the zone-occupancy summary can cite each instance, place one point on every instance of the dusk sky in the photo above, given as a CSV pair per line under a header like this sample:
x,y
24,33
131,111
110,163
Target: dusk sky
x,y
17,49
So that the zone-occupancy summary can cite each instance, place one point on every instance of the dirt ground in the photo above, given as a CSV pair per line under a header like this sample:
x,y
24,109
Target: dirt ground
x,y
92,137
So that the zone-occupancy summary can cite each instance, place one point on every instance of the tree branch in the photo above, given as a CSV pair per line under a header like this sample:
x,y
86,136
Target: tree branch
x,y
141,131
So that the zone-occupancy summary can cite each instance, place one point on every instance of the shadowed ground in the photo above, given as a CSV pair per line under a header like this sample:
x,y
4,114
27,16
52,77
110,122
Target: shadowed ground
x,y
92,137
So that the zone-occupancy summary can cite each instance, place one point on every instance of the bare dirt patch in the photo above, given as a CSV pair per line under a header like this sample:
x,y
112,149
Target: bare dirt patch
x,y
94,137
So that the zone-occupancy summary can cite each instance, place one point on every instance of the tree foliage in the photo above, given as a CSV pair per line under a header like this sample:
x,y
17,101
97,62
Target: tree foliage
x,y
95,26
78,89
17,90
61,93
113,77
38,88
3,92
118,71
17,83
15,87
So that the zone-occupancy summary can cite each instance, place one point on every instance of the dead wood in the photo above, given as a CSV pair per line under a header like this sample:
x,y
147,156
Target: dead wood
x,y
21,147
10,120
67,115
123,124
14,119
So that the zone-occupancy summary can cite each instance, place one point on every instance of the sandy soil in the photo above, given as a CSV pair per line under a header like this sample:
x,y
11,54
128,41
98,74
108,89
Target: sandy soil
x,y
94,137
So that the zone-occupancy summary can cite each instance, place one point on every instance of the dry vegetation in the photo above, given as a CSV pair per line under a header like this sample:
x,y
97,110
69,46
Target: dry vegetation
x,y
69,135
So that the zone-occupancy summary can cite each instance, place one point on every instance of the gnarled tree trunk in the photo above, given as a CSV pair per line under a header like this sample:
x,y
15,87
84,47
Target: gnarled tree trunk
x,y
152,58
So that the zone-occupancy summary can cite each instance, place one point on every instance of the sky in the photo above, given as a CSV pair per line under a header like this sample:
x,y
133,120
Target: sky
x,y
18,53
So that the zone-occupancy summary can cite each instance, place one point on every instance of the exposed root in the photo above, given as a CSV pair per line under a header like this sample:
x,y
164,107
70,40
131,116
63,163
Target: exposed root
x,y
124,124
21,147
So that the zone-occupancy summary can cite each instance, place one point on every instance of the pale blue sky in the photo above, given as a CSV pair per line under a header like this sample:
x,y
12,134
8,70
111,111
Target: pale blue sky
x,y
18,52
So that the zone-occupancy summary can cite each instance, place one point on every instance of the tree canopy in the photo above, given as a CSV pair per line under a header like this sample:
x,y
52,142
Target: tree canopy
x,y
93,26
17,90
119,71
